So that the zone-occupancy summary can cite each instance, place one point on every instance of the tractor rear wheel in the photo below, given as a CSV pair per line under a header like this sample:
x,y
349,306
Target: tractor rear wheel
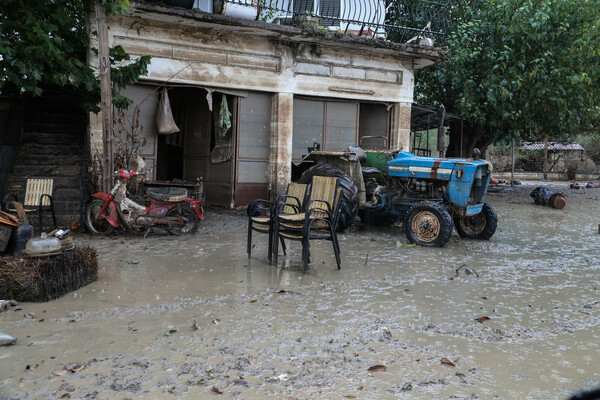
x,y
481,226
349,202
428,224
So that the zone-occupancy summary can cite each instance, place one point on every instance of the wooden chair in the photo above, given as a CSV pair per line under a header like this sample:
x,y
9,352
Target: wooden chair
x,y
318,221
262,214
39,193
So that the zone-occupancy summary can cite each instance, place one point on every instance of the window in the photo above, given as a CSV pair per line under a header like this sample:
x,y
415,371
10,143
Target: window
x,y
334,125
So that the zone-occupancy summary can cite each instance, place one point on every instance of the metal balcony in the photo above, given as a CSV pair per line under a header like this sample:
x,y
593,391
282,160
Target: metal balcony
x,y
408,21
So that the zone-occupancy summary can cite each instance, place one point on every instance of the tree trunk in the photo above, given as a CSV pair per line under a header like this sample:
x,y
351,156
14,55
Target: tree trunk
x,y
546,157
473,136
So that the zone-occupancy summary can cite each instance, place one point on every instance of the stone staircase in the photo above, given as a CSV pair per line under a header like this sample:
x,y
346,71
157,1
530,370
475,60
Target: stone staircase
x,y
52,146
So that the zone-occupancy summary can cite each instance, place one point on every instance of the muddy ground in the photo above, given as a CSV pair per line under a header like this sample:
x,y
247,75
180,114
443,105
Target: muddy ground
x,y
193,317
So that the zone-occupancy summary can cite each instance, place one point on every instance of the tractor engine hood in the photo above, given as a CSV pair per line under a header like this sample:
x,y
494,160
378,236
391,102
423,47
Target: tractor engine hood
x,y
407,165
467,179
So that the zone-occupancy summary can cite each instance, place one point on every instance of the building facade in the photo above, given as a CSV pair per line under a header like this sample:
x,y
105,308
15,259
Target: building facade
x,y
250,97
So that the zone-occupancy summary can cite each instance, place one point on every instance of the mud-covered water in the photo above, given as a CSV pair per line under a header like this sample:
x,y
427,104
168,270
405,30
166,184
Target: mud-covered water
x,y
195,318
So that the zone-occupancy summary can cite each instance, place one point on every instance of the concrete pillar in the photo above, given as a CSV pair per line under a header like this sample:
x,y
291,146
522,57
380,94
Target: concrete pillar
x,y
280,155
400,126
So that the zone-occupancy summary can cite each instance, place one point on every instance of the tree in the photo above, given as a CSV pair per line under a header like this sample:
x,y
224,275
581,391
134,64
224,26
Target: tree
x,y
527,69
43,42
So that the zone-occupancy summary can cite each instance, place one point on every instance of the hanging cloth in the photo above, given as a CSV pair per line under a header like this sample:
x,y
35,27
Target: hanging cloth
x,y
224,117
223,150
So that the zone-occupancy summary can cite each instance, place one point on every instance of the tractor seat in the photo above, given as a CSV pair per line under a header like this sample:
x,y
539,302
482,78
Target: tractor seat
x,y
168,193
370,171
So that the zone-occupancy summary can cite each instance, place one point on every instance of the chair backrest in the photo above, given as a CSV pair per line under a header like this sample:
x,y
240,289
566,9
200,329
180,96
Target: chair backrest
x,y
323,188
297,190
37,187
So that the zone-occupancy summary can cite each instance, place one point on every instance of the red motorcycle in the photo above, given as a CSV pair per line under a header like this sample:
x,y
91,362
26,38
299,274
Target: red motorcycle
x,y
170,208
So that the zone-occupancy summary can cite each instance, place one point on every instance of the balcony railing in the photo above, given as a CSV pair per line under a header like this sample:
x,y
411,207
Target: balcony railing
x,y
400,21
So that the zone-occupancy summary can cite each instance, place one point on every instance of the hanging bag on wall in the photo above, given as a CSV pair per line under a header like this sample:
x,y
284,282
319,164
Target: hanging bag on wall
x,y
164,116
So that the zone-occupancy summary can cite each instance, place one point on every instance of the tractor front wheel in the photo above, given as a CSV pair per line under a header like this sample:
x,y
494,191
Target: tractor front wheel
x,y
428,224
481,226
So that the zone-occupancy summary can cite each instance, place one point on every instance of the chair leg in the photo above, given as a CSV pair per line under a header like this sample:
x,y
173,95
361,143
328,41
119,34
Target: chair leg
x,y
249,240
40,217
52,210
283,246
270,244
336,251
276,244
305,253
41,208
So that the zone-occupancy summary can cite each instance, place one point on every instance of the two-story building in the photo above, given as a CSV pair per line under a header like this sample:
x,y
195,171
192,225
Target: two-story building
x,y
253,84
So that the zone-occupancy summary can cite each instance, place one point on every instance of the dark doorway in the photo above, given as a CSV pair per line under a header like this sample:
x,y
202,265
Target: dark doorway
x,y
169,158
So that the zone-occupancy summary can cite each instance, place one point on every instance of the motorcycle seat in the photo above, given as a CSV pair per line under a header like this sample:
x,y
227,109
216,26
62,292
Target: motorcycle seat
x,y
167,193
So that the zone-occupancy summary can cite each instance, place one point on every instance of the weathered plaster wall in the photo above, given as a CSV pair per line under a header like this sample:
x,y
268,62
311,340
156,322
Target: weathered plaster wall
x,y
225,57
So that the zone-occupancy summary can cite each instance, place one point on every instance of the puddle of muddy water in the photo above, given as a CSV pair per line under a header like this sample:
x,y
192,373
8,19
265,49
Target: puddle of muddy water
x,y
267,332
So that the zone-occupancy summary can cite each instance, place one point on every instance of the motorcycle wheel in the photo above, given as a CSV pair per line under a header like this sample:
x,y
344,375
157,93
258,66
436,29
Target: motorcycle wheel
x,y
192,223
97,226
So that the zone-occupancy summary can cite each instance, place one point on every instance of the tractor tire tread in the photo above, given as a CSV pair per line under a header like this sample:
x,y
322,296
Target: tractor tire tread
x,y
349,201
446,225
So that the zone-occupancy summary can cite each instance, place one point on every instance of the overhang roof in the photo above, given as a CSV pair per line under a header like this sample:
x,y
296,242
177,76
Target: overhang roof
x,y
552,146
423,118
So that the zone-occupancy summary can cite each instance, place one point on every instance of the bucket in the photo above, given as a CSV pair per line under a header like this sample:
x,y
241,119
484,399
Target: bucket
x,y
557,200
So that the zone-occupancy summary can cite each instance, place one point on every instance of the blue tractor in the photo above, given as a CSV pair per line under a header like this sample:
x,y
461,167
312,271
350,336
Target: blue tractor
x,y
431,195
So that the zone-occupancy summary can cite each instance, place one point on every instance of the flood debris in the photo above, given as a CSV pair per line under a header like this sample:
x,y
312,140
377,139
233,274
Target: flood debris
x,y
377,368
7,339
6,304
74,368
578,185
544,197
447,361
494,181
215,389
170,330
468,271
40,279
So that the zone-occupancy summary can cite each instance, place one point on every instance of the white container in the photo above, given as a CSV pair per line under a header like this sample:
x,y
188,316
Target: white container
x,y
245,9
42,244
